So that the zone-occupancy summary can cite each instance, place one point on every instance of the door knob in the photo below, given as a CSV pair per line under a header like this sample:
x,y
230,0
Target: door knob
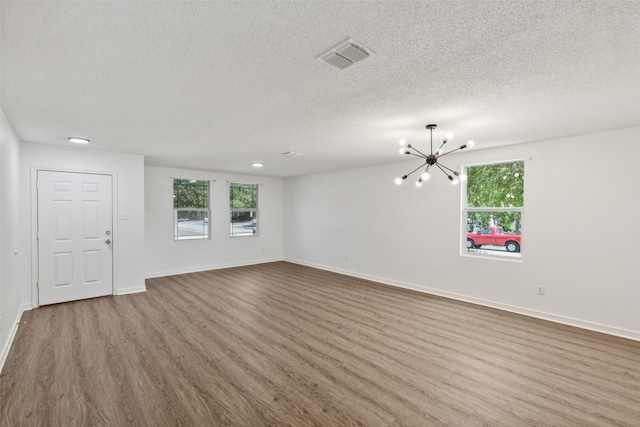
x,y
107,241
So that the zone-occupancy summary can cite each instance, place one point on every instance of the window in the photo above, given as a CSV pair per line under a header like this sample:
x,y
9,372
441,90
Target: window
x,y
190,209
493,208
243,201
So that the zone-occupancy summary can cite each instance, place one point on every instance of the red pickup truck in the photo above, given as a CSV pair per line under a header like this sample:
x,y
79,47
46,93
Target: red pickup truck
x,y
493,236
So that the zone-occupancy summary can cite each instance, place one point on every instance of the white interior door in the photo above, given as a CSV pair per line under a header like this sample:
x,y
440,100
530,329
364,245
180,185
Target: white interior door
x,y
74,236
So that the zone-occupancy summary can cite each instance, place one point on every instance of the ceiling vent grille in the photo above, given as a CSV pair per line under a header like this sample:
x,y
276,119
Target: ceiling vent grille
x,y
346,54
292,154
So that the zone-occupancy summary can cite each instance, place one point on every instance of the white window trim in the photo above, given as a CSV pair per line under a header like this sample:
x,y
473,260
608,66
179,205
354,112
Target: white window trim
x,y
464,214
255,210
177,238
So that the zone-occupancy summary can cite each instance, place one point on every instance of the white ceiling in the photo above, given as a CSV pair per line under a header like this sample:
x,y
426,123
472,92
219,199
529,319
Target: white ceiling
x,y
219,85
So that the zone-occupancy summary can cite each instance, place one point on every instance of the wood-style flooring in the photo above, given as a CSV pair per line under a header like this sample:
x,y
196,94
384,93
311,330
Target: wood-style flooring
x,y
285,345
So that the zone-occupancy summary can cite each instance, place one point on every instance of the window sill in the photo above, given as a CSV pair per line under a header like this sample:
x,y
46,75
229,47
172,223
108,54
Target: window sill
x,y
507,256
179,239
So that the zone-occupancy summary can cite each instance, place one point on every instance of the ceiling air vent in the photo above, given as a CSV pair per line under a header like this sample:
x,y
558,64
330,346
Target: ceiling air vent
x,y
292,154
346,54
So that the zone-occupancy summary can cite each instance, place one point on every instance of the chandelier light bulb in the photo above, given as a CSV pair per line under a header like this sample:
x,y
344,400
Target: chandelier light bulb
x,y
463,177
453,180
470,144
425,176
402,142
449,135
398,181
419,182
402,150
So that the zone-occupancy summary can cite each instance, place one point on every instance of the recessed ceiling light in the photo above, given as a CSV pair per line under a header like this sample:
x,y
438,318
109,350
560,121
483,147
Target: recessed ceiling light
x,y
257,165
79,140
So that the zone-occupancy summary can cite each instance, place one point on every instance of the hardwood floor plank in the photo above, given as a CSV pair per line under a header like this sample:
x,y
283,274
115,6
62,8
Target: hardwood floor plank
x,y
281,344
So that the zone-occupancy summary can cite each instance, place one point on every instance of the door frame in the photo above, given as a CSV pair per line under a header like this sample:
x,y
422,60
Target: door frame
x,y
35,261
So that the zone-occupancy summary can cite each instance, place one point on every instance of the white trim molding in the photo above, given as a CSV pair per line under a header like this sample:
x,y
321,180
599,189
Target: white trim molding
x,y
12,334
134,290
210,267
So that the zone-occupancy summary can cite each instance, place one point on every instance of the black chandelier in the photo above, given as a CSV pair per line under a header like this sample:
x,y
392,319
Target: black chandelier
x,y
431,159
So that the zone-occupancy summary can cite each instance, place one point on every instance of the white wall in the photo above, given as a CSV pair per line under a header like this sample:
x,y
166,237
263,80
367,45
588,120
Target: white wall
x,y
12,250
580,231
164,256
128,235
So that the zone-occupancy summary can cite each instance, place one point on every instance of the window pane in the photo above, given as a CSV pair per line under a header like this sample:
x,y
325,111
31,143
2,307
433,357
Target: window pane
x,y
190,194
495,186
244,223
243,196
192,224
494,233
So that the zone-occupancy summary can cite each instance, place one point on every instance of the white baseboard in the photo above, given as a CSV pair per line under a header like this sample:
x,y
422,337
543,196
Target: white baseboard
x,y
596,327
135,290
209,267
12,334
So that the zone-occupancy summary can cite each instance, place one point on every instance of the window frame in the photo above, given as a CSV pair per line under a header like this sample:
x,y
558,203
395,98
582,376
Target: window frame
x,y
465,210
254,213
207,230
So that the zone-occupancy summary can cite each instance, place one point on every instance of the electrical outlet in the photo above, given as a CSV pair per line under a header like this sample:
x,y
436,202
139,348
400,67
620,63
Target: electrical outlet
x,y
540,290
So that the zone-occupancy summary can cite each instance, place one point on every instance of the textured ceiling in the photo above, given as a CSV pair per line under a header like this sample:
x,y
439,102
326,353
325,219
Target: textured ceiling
x,y
219,85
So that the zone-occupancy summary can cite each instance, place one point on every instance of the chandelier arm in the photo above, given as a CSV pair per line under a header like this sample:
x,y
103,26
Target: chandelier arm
x,y
441,145
443,171
422,156
418,151
449,169
449,152
407,175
